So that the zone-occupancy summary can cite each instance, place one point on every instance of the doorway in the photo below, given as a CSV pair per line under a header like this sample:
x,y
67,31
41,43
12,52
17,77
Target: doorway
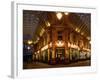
x,y
60,55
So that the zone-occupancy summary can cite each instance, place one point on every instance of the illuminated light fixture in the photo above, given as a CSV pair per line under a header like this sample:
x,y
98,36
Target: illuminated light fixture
x,y
90,42
59,15
74,46
76,29
35,41
30,42
38,38
88,38
50,44
60,43
42,31
28,48
35,53
86,49
68,44
66,13
44,48
82,33
48,24
78,48
38,51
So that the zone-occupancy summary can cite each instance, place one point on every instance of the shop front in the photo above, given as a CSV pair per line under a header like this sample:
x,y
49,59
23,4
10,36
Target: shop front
x,y
74,54
60,55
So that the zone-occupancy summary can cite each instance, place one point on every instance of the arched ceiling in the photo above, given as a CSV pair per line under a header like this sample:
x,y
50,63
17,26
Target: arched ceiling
x,y
35,21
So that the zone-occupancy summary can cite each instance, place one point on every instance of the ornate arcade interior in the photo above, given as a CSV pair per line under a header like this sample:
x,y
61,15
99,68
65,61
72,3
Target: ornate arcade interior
x,y
56,37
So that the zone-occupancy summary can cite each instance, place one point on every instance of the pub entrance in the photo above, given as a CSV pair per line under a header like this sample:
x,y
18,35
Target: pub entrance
x,y
60,55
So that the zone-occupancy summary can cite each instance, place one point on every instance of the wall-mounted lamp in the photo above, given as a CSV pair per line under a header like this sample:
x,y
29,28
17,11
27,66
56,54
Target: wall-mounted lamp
x,y
59,15
60,43
48,24
66,13
90,42
29,42
28,48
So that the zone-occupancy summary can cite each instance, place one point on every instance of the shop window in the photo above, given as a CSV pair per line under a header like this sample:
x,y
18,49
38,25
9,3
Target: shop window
x,y
74,54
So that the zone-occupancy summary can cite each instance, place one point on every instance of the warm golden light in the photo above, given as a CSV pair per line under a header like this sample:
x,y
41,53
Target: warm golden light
x,y
59,15
44,48
48,24
35,41
38,51
88,38
82,33
42,31
30,42
78,30
50,44
66,13
68,44
86,49
74,46
59,43
78,48
90,42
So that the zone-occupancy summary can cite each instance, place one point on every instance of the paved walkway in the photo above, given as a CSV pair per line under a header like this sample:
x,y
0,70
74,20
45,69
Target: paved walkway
x,y
44,65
